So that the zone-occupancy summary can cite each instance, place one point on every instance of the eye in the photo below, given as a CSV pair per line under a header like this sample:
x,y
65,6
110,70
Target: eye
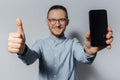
x,y
52,20
63,19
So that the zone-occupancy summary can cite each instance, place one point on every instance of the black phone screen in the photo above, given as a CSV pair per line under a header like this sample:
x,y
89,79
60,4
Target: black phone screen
x,y
98,27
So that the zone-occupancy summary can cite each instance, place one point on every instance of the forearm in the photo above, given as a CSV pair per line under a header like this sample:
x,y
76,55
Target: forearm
x,y
90,58
29,56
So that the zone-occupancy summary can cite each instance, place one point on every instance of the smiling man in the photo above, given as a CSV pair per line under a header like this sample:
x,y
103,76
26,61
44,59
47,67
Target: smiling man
x,y
57,54
57,22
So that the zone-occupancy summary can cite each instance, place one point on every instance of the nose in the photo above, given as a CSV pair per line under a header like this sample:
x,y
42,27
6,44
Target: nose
x,y
58,23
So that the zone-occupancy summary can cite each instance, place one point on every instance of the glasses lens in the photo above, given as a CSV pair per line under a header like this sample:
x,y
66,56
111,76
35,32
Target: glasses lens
x,y
61,21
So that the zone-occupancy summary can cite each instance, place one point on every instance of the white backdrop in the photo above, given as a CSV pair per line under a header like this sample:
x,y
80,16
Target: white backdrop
x,y
33,13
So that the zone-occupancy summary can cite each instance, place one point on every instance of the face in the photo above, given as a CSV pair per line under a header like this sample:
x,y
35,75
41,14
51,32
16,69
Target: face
x,y
57,22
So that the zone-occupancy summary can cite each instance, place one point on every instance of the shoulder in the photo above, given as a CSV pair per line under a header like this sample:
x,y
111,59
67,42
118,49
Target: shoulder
x,y
75,42
72,39
37,42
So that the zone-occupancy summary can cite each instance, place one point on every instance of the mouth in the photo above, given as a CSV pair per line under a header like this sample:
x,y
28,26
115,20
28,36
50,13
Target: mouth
x,y
57,28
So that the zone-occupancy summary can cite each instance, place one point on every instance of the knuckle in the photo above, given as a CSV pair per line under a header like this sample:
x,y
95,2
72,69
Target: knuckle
x,y
21,40
19,46
10,50
9,43
109,41
17,51
18,35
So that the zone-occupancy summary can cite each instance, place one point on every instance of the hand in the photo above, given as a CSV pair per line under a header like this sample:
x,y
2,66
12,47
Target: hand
x,y
93,50
16,40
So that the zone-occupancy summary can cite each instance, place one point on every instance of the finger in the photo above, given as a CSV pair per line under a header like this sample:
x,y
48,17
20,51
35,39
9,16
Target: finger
x,y
109,35
15,35
109,29
109,41
19,26
87,40
14,45
109,46
87,36
87,43
15,40
13,50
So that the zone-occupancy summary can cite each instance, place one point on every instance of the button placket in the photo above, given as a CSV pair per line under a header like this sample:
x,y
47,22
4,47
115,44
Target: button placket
x,y
55,62
54,77
55,57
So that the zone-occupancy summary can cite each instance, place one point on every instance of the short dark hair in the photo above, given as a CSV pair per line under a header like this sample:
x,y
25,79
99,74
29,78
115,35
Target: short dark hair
x,y
58,7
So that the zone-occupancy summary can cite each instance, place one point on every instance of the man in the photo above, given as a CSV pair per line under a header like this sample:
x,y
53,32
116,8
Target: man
x,y
57,54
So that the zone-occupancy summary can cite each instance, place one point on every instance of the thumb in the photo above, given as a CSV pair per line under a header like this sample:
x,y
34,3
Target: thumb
x,y
19,26
87,36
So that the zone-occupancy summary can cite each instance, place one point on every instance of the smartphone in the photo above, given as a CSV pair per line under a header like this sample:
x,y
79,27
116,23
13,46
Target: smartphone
x,y
98,27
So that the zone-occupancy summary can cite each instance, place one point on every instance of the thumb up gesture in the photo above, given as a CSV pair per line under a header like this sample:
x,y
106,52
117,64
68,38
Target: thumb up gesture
x,y
16,40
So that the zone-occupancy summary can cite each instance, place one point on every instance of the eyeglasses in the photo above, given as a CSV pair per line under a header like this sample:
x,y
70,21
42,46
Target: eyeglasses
x,y
54,21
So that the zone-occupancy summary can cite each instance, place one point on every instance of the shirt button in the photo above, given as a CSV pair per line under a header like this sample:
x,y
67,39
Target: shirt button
x,y
55,55
54,76
55,65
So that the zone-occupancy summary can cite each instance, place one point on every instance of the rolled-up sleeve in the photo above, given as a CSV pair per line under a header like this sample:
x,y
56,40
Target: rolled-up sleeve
x,y
32,54
79,53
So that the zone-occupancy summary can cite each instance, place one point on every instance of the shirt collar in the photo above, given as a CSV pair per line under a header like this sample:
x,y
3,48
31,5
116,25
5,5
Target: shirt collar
x,y
57,39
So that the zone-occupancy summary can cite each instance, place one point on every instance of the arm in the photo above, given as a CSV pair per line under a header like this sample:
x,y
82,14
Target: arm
x,y
79,53
29,56
16,40
16,45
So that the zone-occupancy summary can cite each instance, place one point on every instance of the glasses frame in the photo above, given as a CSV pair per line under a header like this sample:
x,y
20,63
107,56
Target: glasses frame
x,y
53,21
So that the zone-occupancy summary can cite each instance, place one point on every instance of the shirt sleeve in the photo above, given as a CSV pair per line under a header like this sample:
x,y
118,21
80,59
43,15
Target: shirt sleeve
x,y
32,54
79,53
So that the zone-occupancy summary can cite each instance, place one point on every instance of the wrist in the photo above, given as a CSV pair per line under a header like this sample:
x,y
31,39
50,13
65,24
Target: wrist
x,y
89,52
23,51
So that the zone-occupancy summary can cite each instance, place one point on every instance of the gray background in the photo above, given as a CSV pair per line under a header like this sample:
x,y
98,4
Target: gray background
x,y
33,14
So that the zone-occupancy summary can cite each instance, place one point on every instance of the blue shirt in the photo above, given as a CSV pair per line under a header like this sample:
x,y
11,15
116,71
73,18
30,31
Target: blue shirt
x,y
57,57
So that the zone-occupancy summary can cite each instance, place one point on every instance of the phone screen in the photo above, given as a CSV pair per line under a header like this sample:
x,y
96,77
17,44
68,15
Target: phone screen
x,y
98,27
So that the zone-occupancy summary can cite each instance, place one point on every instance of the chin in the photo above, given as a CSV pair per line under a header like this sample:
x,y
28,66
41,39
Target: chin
x,y
57,34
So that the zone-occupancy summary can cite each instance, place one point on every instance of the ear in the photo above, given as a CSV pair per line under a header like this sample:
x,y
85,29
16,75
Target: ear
x,y
67,22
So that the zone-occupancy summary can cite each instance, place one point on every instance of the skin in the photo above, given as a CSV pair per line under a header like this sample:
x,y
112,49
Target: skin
x,y
16,40
93,50
57,29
